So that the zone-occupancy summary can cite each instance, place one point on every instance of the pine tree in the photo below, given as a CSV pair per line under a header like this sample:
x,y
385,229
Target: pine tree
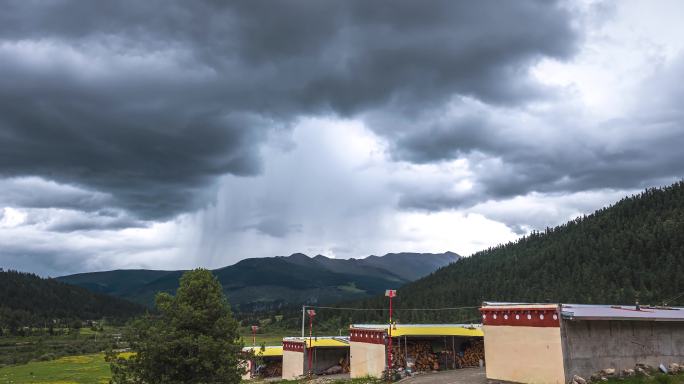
x,y
194,339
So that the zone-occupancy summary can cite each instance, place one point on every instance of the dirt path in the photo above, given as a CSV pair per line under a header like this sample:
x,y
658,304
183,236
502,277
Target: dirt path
x,y
458,376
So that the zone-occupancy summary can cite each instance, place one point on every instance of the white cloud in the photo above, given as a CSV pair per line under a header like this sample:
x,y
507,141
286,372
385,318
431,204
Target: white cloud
x,y
536,211
626,43
335,192
11,218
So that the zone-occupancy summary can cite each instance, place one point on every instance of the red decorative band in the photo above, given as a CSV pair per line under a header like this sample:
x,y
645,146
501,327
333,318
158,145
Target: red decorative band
x,y
293,346
370,336
521,317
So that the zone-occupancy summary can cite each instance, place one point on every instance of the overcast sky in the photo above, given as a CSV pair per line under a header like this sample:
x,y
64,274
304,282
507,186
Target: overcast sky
x,y
174,134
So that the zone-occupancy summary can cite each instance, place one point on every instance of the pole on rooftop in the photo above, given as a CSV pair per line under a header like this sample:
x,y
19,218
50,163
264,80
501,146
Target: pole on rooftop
x,y
390,293
303,318
254,331
309,350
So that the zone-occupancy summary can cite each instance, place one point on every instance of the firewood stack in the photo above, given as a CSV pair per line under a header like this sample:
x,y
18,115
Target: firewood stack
x,y
473,354
398,360
344,362
341,367
420,353
448,361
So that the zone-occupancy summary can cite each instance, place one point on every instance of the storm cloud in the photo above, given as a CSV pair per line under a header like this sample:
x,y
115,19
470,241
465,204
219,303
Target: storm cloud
x,y
269,127
150,102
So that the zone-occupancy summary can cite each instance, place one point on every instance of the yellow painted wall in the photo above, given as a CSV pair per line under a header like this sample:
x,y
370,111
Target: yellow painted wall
x,y
366,359
524,354
293,364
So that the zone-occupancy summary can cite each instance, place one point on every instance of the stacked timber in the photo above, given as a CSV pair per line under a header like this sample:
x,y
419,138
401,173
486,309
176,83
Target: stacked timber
x,y
341,367
473,354
448,361
418,356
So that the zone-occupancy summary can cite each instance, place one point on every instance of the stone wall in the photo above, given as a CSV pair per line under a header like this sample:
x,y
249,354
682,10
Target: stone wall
x,y
590,346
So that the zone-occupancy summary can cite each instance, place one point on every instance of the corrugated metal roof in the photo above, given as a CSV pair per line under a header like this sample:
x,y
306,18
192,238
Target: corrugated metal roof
x,y
600,312
620,312
321,341
269,350
427,329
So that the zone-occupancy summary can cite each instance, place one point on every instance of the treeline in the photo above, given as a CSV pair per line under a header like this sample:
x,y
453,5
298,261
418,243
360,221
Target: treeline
x,y
28,301
631,250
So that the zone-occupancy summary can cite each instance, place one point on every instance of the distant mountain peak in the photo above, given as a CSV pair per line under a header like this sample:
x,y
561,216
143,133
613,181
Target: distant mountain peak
x,y
298,255
285,279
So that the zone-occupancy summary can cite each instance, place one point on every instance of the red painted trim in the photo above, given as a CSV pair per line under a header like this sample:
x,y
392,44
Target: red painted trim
x,y
293,346
369,336
521,317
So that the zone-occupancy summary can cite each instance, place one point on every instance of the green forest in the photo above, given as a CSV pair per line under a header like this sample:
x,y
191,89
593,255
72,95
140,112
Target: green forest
x,y
632,250
28,301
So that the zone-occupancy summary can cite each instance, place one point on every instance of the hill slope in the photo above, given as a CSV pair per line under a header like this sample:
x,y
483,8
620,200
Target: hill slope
x,y
262,283
632,248
116,282
411,266
26,299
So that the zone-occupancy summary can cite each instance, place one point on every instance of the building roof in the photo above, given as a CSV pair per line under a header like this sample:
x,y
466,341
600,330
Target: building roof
x,y
270,350
426,329
320,341
513,306
620,312
598,312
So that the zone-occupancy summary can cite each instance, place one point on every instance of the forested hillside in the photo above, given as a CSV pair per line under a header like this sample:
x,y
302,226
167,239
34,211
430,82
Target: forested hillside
x,y
27,300
271,283
632,249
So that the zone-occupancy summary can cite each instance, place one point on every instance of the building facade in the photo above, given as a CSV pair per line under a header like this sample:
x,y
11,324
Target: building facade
x,y
550,343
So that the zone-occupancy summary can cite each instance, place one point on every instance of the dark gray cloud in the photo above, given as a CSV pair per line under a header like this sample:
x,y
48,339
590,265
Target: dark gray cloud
x,y
515,151
343,128
33,192
506,162
148,102
94,222
276,228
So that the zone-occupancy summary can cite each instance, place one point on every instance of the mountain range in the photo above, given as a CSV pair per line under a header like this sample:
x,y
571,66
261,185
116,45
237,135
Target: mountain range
x,y
631,250
273,282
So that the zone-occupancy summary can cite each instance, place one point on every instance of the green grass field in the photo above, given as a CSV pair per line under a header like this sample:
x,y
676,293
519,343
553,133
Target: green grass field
x,y
88,369
85,369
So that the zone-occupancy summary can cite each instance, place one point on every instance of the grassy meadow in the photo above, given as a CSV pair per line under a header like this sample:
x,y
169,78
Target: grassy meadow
x,y
39,345
84,369
76,358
